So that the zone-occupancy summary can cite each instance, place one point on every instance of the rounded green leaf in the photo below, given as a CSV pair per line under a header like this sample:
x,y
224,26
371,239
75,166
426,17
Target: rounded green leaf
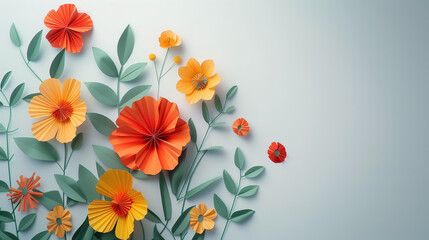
x,y
104,62
220,206
57,65
100,169
2,128
248,191
232,91
108,157
156,234
239,158
34,47
29,97
218,103
218,124
229,182
50,200
16,94
3,187
230,109
132,72
70,188
6,216
206,113
182,222
45,235
84,232
103,93
254,172
200,188
102,124
192,130
199,236
7,236
125,45
14,37
42,151
77,142
242,215
134,94
88,183
5,79
151,216
27,222
165,197
212,148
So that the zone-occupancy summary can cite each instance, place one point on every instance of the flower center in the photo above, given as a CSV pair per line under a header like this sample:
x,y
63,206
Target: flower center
x,y
200,218
63,111
239,127
121,203
277,153
24,191
199,81
59,221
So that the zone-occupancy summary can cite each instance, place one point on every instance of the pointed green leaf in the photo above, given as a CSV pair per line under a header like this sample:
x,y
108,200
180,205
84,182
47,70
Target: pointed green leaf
x,y
229,182
57,65
45,235
3,156
3,187
5,79
7,236
254,172
27,222
77,142
165,197
125,45
132,72
29,97
218,104
100,169
231,92
102,124
199,236
2,128
220,206
239,158
1,104
206,113
212,148
103,93
192,130
230,109
200,188
16,94
70,188
140,175
14,37
134,94
156,234
42,151
84,232
88,183
218,124
242,215
108,157
182,222
105,63
34,47
248,191
50,200
176,175
70,202
151,216
5,216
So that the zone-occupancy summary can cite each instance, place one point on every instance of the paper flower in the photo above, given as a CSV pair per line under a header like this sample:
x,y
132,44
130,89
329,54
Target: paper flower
x,y
152,57
202,219
277,152
127,204
63,109
197,82
59,221
169,39
240,127
25,194
150,135
67,27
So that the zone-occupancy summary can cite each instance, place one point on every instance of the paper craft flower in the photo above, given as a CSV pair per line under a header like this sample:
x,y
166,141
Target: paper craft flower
x,y
59,221
169,39
202,219
240,127
197,82
277,152
150,135
127,204
62,109
67,27
25,194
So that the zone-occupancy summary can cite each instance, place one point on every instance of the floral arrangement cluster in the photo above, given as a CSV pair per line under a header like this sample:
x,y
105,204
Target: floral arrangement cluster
x,y
149,139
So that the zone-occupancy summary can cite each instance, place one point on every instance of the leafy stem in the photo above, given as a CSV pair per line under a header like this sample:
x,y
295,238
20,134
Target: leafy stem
x,y
160,75
28,65
118,89
232,207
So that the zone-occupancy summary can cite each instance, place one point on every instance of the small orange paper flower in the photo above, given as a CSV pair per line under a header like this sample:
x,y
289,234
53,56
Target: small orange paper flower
x,y
150,135
277,152
25,194
202,219
198,81
67,27
127,204
59,221
169,39
240,127
63,109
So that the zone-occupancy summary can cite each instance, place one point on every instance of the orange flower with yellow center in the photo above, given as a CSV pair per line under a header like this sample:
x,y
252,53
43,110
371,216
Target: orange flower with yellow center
x,y
127,204
202,219
197,81
25,194
169,39
59,221
61,107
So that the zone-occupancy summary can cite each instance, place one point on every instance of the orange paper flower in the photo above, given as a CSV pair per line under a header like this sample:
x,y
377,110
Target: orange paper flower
x,y
150,135
198,81
240,127
25,194
202,219
169,39
127,204
67,27
59,221
277,152
63,109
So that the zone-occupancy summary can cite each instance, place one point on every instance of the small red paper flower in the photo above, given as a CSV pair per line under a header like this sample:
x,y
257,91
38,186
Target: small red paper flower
x,y
67,27
240,127
25,194
277,152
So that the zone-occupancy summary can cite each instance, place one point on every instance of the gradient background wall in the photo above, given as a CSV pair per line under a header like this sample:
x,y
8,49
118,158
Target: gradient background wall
x,y
343,84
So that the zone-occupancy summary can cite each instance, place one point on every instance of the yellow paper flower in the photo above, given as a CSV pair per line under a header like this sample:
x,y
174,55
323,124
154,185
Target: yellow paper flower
x,y
127,204
202,219
152,57
198,82
177,59
61,107
169,39
59,221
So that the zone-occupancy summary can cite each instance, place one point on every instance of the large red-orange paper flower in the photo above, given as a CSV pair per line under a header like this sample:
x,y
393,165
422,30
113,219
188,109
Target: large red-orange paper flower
x,y
150,135
25,194
67,27
277,152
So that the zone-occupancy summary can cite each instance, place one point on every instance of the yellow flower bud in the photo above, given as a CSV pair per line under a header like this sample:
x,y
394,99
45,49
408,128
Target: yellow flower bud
x,y
152,56
177,59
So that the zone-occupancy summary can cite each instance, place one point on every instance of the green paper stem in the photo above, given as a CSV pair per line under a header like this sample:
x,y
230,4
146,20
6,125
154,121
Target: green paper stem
x,y
232,207
119,88
159,77
28,65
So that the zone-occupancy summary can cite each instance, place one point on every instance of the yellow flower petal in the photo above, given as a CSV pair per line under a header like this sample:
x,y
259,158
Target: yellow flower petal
x,y
67,132
45,129
208,224
124,227
71,90
194,65
59,231
40,107
186,73
66,225
139,206
51,90
101,216
114,181
185,87
207,67
213,81
210,214
79,113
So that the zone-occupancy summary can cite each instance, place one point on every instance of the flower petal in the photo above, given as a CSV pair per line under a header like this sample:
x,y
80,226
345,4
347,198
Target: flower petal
x,y
40,107
124,227
101,216
66,132
71,90
139,205
82,23
208,224
79,113
114,181
194,65
213,81
45,129
51,90
185,86
186,73
207,67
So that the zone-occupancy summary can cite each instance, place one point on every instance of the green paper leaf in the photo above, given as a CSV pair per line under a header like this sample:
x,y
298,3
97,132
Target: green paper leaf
x,y
70,202
108,157
125,45
3,156
42,151
156,234
88,183
103,93
27,222
14,37
84,232
45,235
7,236
134,94
2,128
50,200
1,104
102,124
212,148
218,124
105,63
242,215
182,222
34,46
218,104
57,65
16,94
206,113
151,216
3,187
199,236
231,92
100,169
230,109
165,197
229,182
5,216
140,175
1,226
200,188
254,172
29,97
132,72
239,158
70,188
220,206
5,79
176,175
77,142
192,130
248,191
